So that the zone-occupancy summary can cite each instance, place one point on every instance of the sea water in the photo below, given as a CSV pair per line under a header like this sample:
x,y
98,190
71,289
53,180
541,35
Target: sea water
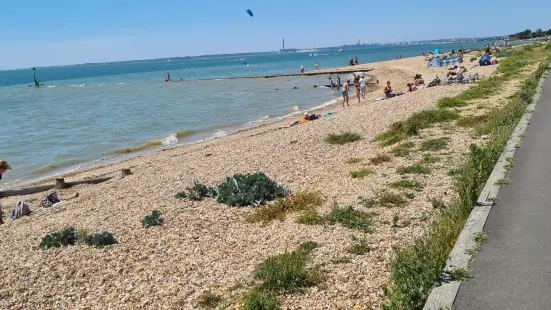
x,y
85,114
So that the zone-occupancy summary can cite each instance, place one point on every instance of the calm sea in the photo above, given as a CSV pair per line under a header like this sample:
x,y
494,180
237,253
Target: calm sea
x,y
86,114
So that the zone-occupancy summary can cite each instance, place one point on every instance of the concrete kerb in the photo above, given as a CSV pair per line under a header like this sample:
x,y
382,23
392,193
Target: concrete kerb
x,y
443,295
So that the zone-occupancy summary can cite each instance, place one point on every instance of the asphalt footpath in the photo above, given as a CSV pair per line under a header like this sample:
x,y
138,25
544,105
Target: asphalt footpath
x,y
513,268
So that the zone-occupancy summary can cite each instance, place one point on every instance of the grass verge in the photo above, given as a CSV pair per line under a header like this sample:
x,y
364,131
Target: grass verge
x,y
435,144
347,137
418,266
362,173
299,201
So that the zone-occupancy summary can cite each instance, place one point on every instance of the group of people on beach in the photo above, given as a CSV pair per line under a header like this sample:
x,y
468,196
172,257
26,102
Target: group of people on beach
x,y
168,79
353,61
360,84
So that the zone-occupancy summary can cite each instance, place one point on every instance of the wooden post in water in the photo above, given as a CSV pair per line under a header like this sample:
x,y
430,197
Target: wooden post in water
x,y
60,183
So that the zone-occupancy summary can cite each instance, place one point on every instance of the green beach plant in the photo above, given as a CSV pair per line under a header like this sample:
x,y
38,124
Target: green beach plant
x,y
299,201
154,219
344,138
249,190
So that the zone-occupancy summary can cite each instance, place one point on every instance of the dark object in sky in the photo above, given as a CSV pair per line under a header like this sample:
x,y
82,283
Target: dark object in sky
x,y
250,13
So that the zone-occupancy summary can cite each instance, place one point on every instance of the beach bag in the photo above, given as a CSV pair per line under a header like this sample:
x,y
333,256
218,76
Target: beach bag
x,y
21,209
50,199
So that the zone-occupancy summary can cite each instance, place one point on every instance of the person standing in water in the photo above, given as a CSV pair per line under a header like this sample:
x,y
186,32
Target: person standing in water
x,y
344,91
167,79
331,83
338,81
316,65
4,166
363,86
36,83
301,69
356,61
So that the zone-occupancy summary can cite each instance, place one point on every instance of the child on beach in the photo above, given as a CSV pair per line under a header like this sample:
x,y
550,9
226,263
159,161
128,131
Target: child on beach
x,y
3,167
344,91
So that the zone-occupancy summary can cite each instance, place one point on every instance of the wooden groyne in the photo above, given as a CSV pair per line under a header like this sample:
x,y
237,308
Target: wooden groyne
x,y
310,73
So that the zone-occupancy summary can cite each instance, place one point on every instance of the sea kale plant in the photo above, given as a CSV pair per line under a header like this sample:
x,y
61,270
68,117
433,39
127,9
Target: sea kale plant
x,y
249,189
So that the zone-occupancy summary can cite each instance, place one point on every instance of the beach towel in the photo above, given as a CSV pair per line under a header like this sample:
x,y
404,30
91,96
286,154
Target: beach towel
x,y
21,209
50,199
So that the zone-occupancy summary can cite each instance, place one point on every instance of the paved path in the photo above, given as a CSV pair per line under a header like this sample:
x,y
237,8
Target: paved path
x,y
513,269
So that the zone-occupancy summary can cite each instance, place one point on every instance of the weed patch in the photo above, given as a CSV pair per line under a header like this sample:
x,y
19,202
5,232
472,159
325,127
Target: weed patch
x,y
429,159
447,102
359,246
353,160
210,300
100,240
380,159
435,144
403,149
256,299
347,137
67,236
154,219
414,169
351,218
391,200
311,217
438,203
299,201
414,124
403,184
359,174
459,274
472,121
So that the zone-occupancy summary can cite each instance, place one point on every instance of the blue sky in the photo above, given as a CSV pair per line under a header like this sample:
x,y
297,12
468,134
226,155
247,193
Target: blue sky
x,y
59,32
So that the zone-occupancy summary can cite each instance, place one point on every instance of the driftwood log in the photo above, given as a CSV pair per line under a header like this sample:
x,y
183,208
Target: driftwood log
x,y
59,184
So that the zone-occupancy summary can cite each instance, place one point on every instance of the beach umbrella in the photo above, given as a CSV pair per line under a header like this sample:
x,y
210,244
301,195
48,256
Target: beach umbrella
x,y
250,13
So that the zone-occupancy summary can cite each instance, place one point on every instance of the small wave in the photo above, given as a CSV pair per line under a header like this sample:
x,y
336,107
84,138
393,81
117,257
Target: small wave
x,y
220,133
260,120
218,79
120,83
184,133
51,86
143,147
292,110
172,139
74,85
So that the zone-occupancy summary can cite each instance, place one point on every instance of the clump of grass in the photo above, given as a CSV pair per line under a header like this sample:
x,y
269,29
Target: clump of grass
x,y
353,160
311,217
154,219
347,137
438,203
257,299
100,240
459,274
391,200
359,174
249,190
400,130
359,246
409,195
395,220
406,223
368,202
287,272
447,102
472,121
403,149
455,171
502,182
351,218
299,201
379,159
342,260
478,239
67,236
435,144
413,169
210,300
402,184
429,159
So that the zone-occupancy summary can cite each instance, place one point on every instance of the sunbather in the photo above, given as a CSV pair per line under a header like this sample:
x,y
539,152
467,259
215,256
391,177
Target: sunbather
x,y
458,71
411,87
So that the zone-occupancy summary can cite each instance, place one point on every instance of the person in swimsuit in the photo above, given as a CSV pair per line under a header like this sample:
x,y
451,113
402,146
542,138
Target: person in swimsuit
x,y
357,86
356,61
344,91
388,90
351,61
331,83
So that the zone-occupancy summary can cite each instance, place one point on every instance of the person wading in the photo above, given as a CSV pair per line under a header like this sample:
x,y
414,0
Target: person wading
x,y
4,166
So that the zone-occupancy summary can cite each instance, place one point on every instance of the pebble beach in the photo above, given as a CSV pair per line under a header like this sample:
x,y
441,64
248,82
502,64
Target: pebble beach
x,y
205,246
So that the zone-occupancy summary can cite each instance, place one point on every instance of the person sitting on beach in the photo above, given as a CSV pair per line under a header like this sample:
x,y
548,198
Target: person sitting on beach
x,y
363,86
305,118
411,87
388,90
458,71
344,91
418,80
357,86
4,166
